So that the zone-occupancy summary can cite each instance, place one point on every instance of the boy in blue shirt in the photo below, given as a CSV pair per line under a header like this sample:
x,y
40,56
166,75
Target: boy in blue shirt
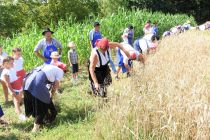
x,y
95,34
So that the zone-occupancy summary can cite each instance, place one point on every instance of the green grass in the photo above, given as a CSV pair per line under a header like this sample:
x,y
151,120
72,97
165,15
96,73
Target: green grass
x,y
75,119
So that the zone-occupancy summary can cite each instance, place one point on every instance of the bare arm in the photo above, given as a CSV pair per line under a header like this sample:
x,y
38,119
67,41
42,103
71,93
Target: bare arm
x,y
6,78
40,56
119,45
69,59
93,62
56,85
91,44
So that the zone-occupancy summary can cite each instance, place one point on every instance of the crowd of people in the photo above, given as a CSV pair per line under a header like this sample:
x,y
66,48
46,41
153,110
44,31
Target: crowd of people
x,y
37,88
185,27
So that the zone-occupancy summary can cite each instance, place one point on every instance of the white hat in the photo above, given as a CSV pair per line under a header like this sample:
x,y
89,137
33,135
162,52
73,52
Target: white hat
x,y
55,55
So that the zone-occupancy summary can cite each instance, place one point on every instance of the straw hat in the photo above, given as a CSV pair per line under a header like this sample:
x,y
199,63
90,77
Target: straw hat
x,y
71,45
55,55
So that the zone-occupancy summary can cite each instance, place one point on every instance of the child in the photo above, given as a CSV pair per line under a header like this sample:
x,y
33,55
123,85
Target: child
x,y
4,86
73,60
18,64
10,78
55,60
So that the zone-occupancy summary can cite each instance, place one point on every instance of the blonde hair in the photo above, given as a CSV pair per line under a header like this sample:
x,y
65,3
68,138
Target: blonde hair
x,y
71,44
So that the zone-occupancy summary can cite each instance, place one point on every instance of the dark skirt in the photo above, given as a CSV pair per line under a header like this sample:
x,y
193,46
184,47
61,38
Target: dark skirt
x,y
38,109
103,75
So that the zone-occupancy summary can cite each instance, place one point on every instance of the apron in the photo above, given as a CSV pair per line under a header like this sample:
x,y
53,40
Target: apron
x,y
130,38
103,77
96,36
47,52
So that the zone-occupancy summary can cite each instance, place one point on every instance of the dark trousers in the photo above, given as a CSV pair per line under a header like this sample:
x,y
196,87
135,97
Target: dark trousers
x,y
41,111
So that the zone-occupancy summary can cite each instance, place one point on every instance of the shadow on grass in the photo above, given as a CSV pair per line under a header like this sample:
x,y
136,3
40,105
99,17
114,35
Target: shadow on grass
x,y
23,126
9,137
65,115
75,115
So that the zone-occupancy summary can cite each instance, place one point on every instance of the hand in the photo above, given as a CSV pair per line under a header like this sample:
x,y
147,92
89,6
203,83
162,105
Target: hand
x,y
97,86
13,93
45,59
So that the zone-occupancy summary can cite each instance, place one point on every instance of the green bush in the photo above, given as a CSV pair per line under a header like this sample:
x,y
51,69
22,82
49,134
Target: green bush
x,y
111,27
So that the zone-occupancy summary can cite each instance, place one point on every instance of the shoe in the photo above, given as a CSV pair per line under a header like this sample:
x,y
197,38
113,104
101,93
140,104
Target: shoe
x,y
2,122
117,78
128,74
22,117
36,128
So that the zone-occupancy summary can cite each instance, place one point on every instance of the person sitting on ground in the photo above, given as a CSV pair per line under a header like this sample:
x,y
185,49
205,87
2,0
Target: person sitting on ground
x,y
2,122
73,60
37,97
47,45
99,72
4,85
14,85
18,64
128,35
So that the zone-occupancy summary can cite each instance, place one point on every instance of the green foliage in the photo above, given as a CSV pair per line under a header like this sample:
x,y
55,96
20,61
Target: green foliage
x,y
10,21
108,7
111,27
197,8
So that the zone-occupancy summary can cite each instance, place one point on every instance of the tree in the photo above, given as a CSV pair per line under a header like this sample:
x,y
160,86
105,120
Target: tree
x,y
108,7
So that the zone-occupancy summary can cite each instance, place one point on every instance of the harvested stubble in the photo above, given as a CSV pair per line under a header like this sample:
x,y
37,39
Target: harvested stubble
x,y
168,99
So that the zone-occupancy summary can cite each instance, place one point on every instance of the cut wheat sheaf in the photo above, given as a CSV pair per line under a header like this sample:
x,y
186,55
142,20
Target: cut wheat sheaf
x,y
167,99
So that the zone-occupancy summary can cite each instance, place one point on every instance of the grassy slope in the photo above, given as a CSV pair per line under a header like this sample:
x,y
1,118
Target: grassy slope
x,y
74,121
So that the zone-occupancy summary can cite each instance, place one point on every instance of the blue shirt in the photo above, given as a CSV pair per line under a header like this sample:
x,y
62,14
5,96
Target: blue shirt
x,y
94,36
155,30
130,37
136,45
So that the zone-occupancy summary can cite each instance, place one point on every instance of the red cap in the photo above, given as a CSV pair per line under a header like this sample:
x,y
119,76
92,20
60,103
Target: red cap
x,y
61,66
102,43
133,55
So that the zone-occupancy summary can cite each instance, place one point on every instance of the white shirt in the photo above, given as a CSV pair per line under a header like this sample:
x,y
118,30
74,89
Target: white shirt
x,y
11,73
104,58
128,48
53,73
18,64
2,56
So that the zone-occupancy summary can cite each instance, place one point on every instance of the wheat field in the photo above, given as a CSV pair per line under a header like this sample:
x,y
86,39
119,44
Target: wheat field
x,y
166,99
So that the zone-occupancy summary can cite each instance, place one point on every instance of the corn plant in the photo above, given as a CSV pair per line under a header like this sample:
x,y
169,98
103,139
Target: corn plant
x,y
111,27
